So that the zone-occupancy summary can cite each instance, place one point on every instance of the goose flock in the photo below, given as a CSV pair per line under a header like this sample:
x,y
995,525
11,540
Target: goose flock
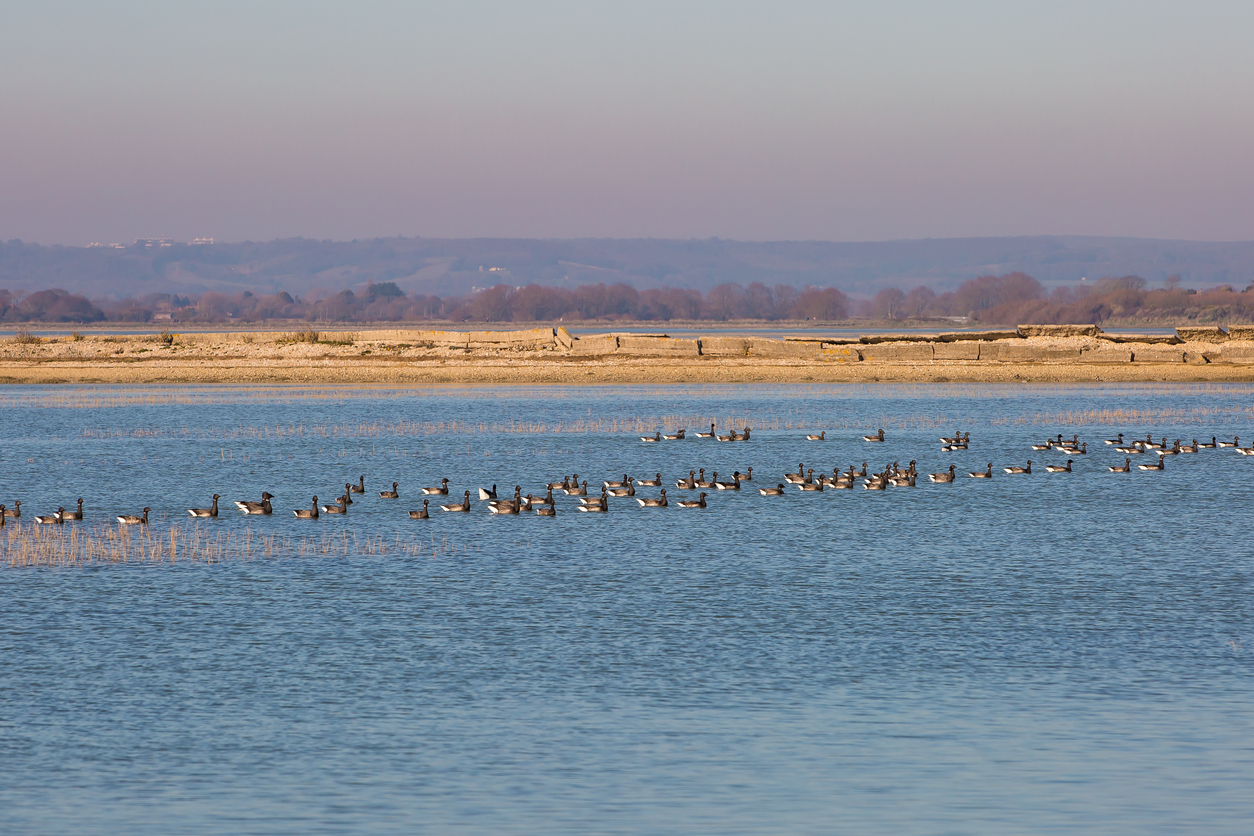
x,y
805,479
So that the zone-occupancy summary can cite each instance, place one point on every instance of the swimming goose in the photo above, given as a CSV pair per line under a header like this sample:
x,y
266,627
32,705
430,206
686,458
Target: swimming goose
x,y
619,484
526,505
262,507
131,519
877,437
15,511
548,498
421,515
1135,448
1191,448
703,482
799,476
1160,466
74,515
57,518
710,434
748,476
744,436
1048,445
578,490
655,482
560,486
485,493
595,500
1059,468
211,511
1082,450
546,511
442,490
1017,469
392,494
494,503
810,486
778,490
1174,451
1127,467
820,437
687,484
360,487
843,484
310,514
653,503
513,507
655,437
460,507
340,507
953,439
944,477
984,474
599,506
678,436
733,485
1246,451
874,484
630,490
731,436
699,502
1210,446
1116,441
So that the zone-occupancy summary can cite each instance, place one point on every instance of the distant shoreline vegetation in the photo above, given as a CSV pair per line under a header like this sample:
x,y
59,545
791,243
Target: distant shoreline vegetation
x,y
995,300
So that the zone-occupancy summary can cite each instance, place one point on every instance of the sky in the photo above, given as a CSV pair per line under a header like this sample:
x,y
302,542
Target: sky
x,y
758,121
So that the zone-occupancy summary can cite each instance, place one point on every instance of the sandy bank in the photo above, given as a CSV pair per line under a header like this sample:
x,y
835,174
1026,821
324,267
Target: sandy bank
x,y
400,357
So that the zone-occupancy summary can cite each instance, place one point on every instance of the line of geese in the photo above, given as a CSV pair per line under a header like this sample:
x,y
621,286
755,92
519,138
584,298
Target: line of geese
x,y
804,478
679,435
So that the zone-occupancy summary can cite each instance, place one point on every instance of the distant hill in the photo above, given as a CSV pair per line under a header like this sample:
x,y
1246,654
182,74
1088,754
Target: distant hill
x,y
445,267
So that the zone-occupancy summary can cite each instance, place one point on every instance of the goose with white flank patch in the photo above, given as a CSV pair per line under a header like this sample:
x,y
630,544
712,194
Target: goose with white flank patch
x,y
944,476
462,507
53,519
1059,468
653,503
211,511
778,490
131,519
1127,467
442,490
262,507
699,502
1014,468
877,437
392,494
308,513
421,514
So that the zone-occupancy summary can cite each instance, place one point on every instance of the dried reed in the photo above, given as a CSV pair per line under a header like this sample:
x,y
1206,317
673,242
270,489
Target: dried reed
x,y
31,545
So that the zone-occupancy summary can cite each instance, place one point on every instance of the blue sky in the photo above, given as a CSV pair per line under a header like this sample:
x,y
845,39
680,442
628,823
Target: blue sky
x,y
740,120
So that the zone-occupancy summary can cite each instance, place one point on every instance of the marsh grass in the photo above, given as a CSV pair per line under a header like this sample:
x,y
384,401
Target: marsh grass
x,y
31,545
165,337
25,337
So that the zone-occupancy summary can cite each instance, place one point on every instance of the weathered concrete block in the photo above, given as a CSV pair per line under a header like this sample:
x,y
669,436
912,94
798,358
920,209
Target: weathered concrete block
x,y
985,336
1059,330
595,344
1147,339
497,339
1241,332
875,339
648,345
840,353
1237,353
763,347
965,350
897,353
564,339
443,338
1106,354
725,346
1011,353
1202,334
1157,354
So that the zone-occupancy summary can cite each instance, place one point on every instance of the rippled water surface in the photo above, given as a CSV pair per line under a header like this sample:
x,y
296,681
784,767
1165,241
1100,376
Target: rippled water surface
x,y
1028,654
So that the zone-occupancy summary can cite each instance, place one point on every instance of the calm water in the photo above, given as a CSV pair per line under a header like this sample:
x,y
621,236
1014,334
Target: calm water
x,y
1030,654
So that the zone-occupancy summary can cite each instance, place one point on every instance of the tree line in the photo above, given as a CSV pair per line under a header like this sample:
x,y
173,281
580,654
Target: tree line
x,y
996,300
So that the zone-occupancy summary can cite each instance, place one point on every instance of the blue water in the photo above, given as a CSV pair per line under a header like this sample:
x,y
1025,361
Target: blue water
x,y
1030,654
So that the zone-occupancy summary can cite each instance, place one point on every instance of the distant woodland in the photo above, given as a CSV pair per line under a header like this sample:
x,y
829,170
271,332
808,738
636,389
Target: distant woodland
x,y
1008,299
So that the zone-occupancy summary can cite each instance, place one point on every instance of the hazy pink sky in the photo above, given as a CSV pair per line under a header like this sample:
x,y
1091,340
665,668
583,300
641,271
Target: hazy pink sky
x,y
740,120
